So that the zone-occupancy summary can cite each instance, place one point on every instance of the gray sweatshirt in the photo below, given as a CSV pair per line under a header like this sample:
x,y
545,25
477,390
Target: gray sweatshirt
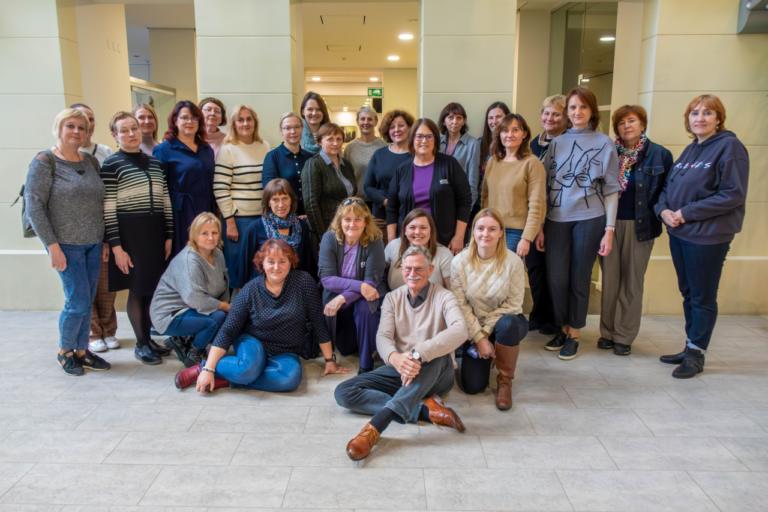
x,y
189,283
582,169
67,208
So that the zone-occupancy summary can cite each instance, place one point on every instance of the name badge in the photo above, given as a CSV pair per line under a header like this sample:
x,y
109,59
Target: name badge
x,y
362,264
444,182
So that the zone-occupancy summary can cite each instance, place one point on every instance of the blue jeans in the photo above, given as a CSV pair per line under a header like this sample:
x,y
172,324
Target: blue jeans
x,y
253,368
698,268
513,238
192,323
369,392
80,280
232,249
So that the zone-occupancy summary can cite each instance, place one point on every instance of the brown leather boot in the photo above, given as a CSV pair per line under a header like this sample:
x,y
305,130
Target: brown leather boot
x,y
362,444
506,360
439,414
188,377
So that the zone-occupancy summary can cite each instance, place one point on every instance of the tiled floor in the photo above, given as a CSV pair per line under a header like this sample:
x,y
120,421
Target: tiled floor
x,y
599,433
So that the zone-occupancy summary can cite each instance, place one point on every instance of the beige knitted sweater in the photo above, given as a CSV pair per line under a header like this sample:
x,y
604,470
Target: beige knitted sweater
x,y
434,328
484,295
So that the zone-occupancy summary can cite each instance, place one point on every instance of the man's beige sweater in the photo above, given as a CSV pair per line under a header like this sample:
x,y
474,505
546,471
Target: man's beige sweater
x,y
434,328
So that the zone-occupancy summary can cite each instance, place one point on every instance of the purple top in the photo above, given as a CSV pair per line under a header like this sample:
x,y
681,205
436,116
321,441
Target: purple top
x,y
422,182
346,284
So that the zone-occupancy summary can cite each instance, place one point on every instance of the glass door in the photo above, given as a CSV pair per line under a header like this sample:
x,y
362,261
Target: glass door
x,y
159,97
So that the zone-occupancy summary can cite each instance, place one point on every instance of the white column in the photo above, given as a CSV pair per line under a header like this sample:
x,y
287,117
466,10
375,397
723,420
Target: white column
x,y
531,71
39,51
626,71
466,54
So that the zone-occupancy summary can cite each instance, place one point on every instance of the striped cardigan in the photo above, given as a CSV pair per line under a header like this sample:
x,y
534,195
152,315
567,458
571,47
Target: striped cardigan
x,y
237,181
135,190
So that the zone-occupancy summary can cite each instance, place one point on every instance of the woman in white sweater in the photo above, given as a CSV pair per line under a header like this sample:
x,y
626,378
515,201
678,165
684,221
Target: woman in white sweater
x,y
489,282
237,181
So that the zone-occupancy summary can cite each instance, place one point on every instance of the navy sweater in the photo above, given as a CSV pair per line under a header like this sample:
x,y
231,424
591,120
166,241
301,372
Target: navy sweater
x,y
709,185
380,170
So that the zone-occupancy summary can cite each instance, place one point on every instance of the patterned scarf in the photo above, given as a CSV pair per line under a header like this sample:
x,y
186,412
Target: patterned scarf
x,y
308,140
627,158
272,223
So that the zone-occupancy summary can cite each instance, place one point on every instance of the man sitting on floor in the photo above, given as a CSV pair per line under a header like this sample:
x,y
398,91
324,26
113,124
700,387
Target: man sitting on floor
x,y
421,325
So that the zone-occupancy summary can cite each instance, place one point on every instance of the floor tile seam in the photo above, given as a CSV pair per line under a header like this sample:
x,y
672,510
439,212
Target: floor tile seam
x,y
285,491
34,465
240,442
719,440
702,490
530,421
162,468
189,429
607,452
125,434
560,482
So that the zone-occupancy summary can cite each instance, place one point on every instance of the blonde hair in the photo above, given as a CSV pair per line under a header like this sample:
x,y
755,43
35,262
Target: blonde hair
x,y
500,256
558,100
197,226
147,106
232,137
290,114
65,114
371,231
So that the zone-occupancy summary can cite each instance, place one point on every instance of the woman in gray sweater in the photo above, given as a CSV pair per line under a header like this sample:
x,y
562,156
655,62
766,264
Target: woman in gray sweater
x,y
64,198
192,298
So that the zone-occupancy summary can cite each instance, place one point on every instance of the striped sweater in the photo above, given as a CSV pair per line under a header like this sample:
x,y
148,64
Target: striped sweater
x,y
135,185
237,180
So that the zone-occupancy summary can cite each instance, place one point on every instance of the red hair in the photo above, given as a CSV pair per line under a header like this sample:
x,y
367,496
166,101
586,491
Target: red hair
x,y
173,130
274,244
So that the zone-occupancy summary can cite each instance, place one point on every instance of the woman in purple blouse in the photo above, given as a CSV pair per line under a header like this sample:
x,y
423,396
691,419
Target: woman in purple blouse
x,y
351,267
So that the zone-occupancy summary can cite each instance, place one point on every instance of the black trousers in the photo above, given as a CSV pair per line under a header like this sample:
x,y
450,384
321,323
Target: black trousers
x,y
476,373
571,253
542,312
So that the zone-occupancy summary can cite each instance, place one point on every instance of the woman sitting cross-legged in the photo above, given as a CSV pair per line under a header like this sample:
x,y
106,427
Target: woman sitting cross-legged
x,y
278,220
352,274
489,282
266,327
192,298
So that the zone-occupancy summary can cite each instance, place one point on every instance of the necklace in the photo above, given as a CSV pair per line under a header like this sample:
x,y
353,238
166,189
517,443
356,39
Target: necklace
x,y
67,159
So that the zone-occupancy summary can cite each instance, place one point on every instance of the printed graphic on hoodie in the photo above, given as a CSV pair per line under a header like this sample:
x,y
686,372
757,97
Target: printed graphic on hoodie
x,y
579,170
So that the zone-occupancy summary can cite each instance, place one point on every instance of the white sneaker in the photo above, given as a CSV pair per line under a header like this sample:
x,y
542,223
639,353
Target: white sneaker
x,y
111,342
97,346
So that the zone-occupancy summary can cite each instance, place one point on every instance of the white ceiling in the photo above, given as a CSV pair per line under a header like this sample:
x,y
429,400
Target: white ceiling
x,y
366,31
337,103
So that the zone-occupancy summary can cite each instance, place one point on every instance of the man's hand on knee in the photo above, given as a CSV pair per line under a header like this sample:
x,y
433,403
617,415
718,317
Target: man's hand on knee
x,y
406,366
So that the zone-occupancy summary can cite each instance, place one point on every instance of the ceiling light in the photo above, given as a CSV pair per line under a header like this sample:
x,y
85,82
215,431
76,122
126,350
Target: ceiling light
x,y
608,38
345,109
316,78
585,79
374,79
393,57
406,37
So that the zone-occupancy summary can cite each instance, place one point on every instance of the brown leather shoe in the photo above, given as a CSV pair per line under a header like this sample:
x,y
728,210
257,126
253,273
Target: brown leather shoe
x,y
506,361
362,444
188,377
439,414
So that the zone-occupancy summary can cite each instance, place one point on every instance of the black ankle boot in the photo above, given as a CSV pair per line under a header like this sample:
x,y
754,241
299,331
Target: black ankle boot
x,y
674,358
194,356
693,363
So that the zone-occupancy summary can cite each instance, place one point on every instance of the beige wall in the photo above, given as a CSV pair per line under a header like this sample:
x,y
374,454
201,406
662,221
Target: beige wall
x,y
626,72
265,34
174,61
103,44
399,90
38,41
690,47
461,43
531,72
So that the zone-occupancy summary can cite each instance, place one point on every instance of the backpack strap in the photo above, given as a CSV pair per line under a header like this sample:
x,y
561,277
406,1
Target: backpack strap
x,y
51,160
94,162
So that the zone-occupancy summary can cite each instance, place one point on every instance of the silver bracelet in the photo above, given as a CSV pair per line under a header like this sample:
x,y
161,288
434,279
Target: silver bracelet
x,y
206,369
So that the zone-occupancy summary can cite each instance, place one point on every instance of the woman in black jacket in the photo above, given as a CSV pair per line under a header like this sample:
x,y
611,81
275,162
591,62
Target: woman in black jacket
x,y
643,169
432,181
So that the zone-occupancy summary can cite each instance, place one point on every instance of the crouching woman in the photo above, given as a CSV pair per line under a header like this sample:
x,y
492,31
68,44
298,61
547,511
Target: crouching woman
x,y
266,326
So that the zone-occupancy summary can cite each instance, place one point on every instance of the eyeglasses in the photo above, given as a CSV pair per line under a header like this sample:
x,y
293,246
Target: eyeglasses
x,y
420,137
349,201
186,119
296,128
215,112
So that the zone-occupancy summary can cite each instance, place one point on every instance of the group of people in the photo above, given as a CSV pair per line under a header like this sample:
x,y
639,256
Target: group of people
x,y
410,249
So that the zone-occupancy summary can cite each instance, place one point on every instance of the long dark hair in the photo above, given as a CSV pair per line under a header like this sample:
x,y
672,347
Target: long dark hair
x,y
497,148
173,130
320,101
485,143
414,214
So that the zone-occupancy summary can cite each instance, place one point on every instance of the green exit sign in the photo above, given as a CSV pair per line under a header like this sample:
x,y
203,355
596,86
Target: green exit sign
x,y
375,92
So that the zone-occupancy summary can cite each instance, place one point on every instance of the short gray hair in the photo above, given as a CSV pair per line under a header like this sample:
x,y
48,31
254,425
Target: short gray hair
x,y
417,250
367,110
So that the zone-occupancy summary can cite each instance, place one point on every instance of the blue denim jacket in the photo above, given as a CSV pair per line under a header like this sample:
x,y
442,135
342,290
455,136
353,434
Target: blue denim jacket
x,y
653,164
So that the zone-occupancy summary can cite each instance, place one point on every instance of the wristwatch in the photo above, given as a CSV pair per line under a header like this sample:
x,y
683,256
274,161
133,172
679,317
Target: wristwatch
x,y
416,355
332,358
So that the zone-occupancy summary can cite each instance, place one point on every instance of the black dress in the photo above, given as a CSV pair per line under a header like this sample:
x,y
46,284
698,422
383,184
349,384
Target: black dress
x,y
138,218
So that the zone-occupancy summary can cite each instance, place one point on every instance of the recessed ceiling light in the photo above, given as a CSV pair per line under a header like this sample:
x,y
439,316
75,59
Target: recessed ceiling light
x,y
406,37
316,78
345,109
374,79
609,38
585,79
393,57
